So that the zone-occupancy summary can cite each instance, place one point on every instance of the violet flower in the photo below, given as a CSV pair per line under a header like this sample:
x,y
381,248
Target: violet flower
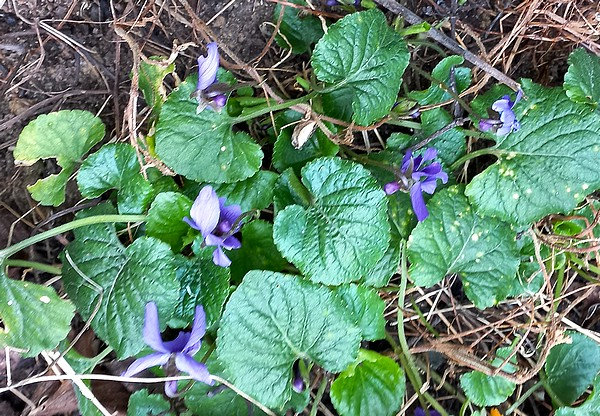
x,y
412,171
179,352
297,382
508,120
215,220
207,76
337,3
420,412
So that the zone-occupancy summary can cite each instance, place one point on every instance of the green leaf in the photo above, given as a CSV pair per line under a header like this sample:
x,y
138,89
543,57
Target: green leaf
x,y
300,29
373,385
202,147
455,239
366,307
116,166
33,317
141,403
128,278
435,93
271,321
380,274
558,139
255,192
581,80
202,283
66,136
363,54
591,407
51,189
344,231
572,367
285,155
484,390
205,400
165,219
289,191
151,76
258,251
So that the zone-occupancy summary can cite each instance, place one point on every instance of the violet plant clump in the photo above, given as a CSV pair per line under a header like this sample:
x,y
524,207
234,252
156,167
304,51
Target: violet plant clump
x,y
215,221
301,311
417,176
177,354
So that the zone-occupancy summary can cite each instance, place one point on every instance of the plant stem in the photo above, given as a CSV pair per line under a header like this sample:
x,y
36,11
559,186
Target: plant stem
x,y
98,219
276,107
33,265
473,155
405,123
318,396
524,397
403,351
544,380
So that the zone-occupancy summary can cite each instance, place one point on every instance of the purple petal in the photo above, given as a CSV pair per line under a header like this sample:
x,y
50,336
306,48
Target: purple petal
x,y
208,67
220,100
331,3
191,223
205,211
418,203
220,258
406,160
198,331
430,170
231,243
391,188
519,96
213,240
504,130
486,124
171,388
152,329
508,117
298,384
231,213
197,370
443,176
420,412
502,105
178,344
429,185
148,361
429,154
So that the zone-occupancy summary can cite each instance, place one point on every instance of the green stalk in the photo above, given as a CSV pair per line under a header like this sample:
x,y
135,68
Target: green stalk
x,y
33,265
98,219
318,397
412,371
524,397
405,123
276,107
544,380
473,155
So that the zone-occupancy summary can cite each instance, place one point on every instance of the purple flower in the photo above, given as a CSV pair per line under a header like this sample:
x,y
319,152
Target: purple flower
x,y
418,177
508,120
180,351
215,220
297,382
207,76
337,3
420,412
